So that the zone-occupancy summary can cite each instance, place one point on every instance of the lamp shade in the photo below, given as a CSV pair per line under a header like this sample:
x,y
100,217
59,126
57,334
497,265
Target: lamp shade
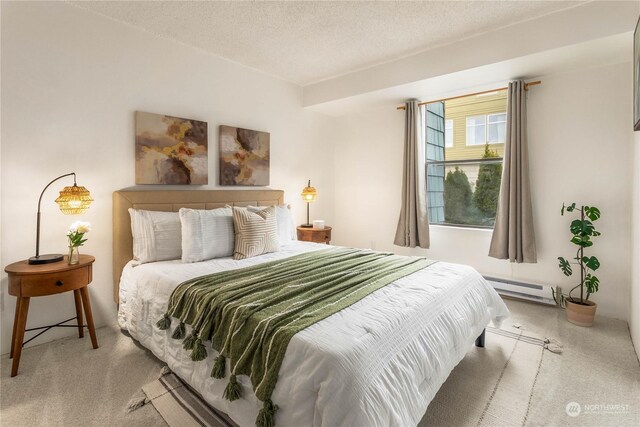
x,y
74,200
309,193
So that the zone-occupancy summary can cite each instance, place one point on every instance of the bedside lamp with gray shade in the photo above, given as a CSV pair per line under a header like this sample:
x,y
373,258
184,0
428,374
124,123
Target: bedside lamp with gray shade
x,y
309,195
73,201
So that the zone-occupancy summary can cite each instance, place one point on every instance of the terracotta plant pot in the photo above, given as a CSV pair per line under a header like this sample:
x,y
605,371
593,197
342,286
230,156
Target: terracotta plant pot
x,y
581,315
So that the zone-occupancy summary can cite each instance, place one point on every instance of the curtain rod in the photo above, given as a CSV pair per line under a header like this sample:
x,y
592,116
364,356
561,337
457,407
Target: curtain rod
x,y
526,87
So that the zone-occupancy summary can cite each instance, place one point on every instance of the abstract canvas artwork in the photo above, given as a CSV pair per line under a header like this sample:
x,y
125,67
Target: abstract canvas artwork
x,y
244,156
170,150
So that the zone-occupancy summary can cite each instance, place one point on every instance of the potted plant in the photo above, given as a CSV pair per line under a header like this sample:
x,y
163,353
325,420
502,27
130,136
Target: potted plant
x,y
581,311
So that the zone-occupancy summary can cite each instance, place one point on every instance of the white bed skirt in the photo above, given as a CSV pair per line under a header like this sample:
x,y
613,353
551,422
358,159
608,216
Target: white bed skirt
x,y
379,362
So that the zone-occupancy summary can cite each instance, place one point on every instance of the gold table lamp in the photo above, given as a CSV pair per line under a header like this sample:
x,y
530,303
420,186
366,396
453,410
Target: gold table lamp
x,y
73,200
309,195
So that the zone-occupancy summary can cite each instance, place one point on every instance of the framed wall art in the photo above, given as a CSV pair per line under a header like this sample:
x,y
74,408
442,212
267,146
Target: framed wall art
x,y
171,150
244,156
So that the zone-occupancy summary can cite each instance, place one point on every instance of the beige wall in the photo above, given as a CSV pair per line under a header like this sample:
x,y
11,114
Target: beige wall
x,y
71,81
634,300
580,146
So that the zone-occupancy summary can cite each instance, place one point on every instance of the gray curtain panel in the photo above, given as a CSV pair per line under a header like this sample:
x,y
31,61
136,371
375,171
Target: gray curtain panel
x,y
513,236
413,225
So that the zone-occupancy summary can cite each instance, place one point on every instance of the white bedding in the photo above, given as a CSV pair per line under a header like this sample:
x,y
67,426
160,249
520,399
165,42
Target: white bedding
x,y
379,362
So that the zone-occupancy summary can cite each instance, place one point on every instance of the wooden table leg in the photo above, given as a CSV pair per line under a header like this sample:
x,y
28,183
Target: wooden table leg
x,y
16,318
84,292
19,335
76,297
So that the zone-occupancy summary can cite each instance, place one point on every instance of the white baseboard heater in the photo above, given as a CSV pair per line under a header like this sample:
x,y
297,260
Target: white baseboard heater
x,y
527,291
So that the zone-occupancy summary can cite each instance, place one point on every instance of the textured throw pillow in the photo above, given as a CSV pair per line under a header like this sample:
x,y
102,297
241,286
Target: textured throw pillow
x,y
284,220
256,232
206,234
156,235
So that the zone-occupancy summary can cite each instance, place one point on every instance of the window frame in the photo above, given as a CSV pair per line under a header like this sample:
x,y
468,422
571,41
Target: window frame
x,y
459,162
446,145
505,127
471,130
467,133
486,129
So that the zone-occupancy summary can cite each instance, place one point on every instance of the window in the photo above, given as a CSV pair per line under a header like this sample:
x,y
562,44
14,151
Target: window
x,y
476,130
448,133
464,171
496,128
489,129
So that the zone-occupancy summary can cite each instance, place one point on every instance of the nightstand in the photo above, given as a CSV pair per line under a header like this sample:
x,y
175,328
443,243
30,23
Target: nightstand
x,y
26,281
314,235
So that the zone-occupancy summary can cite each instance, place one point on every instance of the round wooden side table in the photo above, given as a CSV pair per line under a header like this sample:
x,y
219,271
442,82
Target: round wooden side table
x,y
26,281
317,235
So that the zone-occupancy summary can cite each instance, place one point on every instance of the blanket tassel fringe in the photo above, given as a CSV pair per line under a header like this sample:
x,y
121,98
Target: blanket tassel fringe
x,y
266,416
199,352
218,367
189,341
164,323
233,391
179,332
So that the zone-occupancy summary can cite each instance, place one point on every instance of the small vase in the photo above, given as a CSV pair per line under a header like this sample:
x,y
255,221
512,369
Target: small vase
x,y
74,255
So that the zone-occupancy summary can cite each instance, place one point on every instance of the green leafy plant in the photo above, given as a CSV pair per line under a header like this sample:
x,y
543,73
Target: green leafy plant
x,y
485,197
457,197
583,231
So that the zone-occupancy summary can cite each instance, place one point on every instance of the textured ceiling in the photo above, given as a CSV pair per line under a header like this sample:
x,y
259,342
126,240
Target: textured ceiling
x,y
305,42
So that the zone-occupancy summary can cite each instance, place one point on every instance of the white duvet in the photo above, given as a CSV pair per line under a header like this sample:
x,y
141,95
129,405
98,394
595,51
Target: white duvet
x,y
378,362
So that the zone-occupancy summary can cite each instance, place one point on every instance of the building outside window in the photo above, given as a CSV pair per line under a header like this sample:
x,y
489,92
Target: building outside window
x,y
496,129
448,133
464,141
435,149
476,130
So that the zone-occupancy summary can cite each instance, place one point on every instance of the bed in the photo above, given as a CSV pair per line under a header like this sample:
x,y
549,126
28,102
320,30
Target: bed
x,y
378,362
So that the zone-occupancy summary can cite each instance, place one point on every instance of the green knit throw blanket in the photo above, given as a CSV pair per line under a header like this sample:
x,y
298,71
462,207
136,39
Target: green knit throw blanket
x,y
250,314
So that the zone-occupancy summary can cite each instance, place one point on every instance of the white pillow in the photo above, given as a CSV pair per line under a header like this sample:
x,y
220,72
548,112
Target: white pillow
x,y
206,234
284,219
156,235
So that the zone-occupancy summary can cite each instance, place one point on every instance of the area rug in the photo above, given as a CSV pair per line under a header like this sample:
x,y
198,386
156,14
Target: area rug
x,y
491,386
178,404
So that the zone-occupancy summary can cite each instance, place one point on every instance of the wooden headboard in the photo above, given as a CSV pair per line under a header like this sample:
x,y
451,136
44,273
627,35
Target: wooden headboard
x,y
172,201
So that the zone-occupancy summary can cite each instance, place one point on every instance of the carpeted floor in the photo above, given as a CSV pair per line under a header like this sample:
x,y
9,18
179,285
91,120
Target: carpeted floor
x,y
65,383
